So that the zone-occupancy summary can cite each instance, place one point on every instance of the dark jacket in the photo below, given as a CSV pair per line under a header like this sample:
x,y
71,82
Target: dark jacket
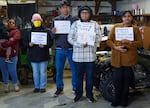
x,y
14,44
37,54
61,39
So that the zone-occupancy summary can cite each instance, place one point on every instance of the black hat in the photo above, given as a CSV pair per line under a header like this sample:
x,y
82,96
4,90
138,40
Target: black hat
x,y
85,8
64,2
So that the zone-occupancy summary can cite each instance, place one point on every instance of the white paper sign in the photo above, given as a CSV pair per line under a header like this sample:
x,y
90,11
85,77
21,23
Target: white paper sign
x,y
86,33
62,27
39,38
124,33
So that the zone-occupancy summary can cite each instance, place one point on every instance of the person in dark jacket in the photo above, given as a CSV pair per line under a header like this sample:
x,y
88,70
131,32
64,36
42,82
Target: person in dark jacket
x,y
38,53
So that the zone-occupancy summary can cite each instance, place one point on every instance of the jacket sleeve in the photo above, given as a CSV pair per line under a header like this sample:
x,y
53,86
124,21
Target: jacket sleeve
x,y
16,37
51,27
72,36
138,39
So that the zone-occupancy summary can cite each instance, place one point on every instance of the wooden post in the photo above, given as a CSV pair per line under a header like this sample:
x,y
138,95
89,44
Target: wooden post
x,y
113,3
97,6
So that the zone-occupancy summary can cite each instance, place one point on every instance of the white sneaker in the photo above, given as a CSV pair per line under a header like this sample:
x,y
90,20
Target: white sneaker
x,y
6,88
16,88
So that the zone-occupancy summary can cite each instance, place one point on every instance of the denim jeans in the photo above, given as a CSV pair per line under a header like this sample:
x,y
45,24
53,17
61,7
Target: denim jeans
x,y
81,68
9,69
39,74
61,56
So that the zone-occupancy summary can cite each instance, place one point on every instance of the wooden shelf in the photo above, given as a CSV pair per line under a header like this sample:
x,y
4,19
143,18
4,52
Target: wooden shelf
x,y
107,19
143,20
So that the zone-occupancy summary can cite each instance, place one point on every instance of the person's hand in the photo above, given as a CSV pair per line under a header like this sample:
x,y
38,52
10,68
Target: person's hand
x,y
125,41
31,44
85,45
53,30
120,48
41,46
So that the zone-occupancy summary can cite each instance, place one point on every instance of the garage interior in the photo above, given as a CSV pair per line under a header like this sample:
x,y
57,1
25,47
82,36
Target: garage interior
x,y
106,13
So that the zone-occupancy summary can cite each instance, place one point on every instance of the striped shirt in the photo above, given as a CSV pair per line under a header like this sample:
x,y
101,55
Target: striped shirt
x,y
81,53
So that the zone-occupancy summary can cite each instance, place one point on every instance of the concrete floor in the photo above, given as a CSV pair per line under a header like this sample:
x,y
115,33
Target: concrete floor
x,y
27,99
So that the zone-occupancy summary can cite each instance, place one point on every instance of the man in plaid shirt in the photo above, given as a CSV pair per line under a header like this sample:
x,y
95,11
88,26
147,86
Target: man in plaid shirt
x,y
84,53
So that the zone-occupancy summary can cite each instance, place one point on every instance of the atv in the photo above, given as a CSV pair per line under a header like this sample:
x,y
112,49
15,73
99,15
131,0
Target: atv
x,y
103,74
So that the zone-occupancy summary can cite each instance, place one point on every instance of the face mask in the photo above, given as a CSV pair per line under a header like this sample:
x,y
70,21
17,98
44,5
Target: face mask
x,y
37,23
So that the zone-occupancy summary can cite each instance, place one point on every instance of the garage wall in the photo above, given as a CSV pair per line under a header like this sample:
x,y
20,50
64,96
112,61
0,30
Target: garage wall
x,y
127,5
105,6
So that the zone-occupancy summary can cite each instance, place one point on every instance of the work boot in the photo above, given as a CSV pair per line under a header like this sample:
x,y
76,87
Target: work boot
x,y
6,88
16,87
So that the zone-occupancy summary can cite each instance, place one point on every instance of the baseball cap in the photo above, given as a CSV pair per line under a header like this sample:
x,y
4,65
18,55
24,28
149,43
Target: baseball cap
x,y
64,2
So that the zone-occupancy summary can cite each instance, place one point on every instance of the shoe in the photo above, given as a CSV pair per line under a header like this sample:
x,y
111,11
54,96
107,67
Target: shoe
x,y
36,90
77,98
115,104
91,99
6,88
8,61
124,104
58,92
16,88
43,90
74,92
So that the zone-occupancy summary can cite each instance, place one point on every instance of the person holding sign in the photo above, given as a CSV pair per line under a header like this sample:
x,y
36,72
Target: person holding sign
x,y
124,39
59,30
84,35
38,42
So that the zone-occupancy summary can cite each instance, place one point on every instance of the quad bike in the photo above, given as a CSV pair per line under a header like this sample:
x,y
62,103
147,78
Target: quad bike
x,y
103,74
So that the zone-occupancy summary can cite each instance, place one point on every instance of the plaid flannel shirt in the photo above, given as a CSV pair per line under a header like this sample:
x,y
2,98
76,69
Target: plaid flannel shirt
x,y
81,53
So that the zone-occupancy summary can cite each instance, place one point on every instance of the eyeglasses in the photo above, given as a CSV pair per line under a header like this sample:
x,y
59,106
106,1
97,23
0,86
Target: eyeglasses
x,y
84,12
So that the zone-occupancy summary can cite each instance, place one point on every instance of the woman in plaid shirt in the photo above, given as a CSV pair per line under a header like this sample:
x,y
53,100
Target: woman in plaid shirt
x,y
84,52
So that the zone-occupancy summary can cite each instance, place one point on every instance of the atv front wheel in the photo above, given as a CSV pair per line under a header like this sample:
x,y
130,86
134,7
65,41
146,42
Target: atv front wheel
x,y
106,86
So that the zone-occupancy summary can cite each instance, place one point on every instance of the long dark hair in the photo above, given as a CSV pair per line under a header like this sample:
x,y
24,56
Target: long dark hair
x,y
128,11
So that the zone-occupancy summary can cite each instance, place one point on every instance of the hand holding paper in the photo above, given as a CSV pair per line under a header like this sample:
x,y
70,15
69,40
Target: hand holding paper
x,y
124,33
86,33
125,41
39,38
62,27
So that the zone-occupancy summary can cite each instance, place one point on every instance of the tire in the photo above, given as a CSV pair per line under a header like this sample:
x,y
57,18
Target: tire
x,y
106,87
54,74
22,75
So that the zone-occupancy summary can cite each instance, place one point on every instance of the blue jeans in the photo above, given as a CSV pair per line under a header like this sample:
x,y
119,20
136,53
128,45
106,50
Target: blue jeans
x,y
81,68
39,74
9,69
61,56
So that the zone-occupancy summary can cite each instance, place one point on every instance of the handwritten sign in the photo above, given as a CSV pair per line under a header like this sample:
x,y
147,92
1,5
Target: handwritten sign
x,y
62,27
124,33
39,38
86,33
